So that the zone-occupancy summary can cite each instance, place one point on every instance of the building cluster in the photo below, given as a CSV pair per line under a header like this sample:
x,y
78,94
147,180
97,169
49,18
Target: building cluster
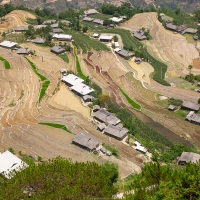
x,y
78,87
109,124
193,108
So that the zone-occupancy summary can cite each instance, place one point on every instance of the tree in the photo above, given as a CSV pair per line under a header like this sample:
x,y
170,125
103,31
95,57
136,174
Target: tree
x,y
115,38
111,170
107,22
177,11
61,179
85,29
199,101
4,34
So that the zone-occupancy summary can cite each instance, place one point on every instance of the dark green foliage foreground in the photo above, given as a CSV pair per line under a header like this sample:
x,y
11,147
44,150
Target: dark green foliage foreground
x,y
163,182
60,179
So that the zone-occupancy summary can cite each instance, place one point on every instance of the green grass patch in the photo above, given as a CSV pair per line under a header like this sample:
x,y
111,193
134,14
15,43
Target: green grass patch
x,y
31,21
44,81
111,149
64,57
5,62
130,101
85,43
78,66
181,113
16,37
60,126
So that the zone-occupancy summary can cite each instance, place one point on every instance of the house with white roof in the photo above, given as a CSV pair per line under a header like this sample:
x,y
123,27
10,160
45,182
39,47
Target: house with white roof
x,y
90,12
62,37
116,19
8,44
71,79
106,38
81,89
10,164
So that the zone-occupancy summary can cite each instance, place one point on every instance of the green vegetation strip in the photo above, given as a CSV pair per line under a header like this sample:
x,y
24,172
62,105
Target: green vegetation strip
x,y
111,149
78,66
64,57
60,126
130,101
5,62
43,79
84,42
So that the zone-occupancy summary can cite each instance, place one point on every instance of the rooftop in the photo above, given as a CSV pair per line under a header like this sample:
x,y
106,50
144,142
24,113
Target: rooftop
x,y
125,53
193,117
106,37
85,141
90,12
191,105
57,49
22,51
171,26
54,25
8,44
57,30
40,26
9,163
98,21
49,21
39,40
88,19
72,79
82,89
62,36
116,131
139,34
189,157
116,19
21,28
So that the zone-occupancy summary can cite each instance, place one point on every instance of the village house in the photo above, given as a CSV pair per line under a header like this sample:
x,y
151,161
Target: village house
x,y
193,117
139,34
20,29
171,27
181,28
10,164
190,106
81,89
88,98
105,38
40,26
139,147
88,19
116,44
57,49
85,141
39,41
172,107
71,80
116,132
101,126
95,35
98,21
57,30
125,54
49,21
96,108
54,25
62,37
188,157
90,12
8,44
190,31
22,51
104,116
116,20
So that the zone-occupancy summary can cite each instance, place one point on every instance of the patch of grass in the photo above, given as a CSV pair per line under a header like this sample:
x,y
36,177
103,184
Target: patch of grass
x,y
12,104
31,21
14,37
130,101
60,126
21,94
163,103
5,62
111,149
43,79
64,57
84,42
181,113
78,66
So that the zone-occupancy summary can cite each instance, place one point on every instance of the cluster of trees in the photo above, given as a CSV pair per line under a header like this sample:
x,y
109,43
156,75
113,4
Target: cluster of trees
x,y
61,179
166,182
124,10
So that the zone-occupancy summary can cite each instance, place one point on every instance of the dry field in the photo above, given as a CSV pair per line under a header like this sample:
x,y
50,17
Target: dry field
x,y
20,113
15,18
172,49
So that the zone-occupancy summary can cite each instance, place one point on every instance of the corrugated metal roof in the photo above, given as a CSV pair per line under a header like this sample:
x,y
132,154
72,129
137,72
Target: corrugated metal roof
x,y
72,79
